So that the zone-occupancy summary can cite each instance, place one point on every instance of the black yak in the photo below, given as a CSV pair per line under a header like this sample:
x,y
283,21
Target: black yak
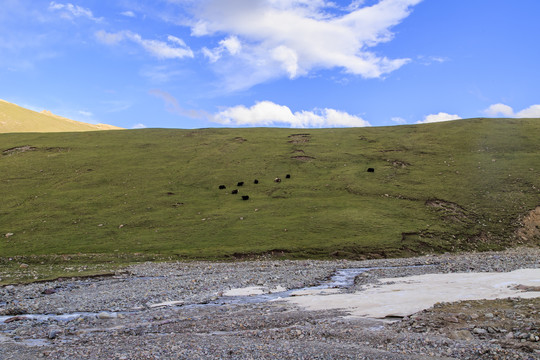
x,y
221,187
370,170
245,197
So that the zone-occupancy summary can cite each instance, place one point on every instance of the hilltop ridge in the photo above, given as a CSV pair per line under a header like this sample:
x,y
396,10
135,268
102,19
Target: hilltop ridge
x,y
17,119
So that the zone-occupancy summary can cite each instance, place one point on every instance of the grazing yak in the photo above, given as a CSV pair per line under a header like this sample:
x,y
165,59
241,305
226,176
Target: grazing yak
x,y
288,176
240,183
245,197
277,180
235,191
221,187
370,170
255,181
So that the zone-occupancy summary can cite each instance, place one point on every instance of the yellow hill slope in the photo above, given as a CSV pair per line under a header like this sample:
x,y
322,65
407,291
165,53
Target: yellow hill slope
x,y
14,118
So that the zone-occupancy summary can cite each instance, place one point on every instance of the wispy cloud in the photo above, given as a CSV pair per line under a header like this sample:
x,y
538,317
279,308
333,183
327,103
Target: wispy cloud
x,y
398,120
269,39
128,13
499,109
267,113
172,106
161,73
113,106
85,113
173,48
429,60
139,126
70,11
438,118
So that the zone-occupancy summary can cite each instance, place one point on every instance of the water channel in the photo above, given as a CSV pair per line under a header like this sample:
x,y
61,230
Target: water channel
x,y
341,279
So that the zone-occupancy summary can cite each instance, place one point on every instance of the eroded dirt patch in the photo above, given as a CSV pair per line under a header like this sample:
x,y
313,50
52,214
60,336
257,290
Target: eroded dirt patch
x,y
299,138
531,226
399,163
303,158
19,149
449,210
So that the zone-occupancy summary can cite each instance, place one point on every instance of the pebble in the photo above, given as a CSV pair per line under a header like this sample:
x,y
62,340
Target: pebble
x,y
461,335
53,333
479,331
105,315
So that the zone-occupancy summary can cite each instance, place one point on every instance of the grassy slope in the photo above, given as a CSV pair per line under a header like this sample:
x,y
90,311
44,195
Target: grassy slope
x,y
71,194
14,118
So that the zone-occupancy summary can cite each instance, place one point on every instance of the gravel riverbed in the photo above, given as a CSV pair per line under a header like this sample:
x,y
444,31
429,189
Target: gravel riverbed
x,y
179,311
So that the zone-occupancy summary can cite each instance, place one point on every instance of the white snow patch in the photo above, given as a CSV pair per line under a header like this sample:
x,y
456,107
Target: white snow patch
x,y
407,295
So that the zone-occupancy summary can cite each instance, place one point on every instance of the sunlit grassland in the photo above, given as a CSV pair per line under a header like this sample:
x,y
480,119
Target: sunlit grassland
x,y
134,195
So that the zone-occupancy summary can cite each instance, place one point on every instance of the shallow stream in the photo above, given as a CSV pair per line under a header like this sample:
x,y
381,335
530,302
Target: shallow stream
x,y
341,279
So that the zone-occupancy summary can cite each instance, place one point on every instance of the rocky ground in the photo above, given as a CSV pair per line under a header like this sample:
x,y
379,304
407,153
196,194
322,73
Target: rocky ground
x,y
178,311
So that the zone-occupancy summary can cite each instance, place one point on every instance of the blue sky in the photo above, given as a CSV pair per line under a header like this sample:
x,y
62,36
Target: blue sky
x,y
286,63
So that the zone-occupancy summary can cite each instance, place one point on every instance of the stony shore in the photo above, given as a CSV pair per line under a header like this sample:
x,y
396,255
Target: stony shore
x,y
178,311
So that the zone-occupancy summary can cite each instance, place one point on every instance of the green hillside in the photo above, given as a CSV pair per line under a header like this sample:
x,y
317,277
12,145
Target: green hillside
x,y
461,185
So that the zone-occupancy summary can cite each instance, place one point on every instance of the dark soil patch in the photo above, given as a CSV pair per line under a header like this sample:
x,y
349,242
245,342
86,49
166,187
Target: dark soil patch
x,y
363,138
57,149
18,149
275,253
303,158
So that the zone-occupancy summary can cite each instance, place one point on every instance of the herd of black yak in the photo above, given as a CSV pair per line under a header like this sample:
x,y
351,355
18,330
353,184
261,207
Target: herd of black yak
x,y
277,180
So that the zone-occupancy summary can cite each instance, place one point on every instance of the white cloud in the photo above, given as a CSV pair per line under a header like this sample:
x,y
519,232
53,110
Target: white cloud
x,y
231,44
267,113
70,11
499,109
287,58
139,126
530,112
174,48
438,118
294,37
